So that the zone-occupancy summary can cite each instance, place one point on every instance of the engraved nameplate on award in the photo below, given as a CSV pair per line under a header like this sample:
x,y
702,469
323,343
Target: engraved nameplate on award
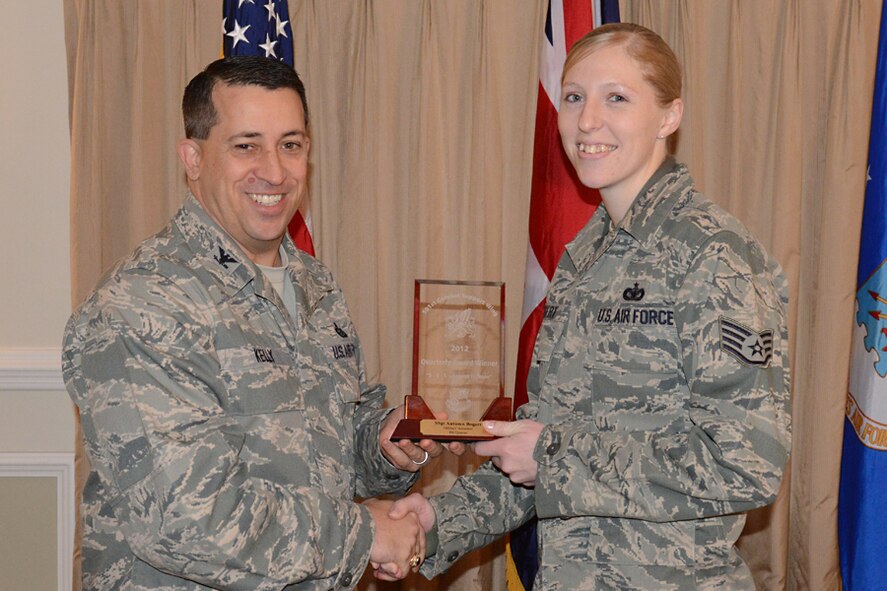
x,y
458,361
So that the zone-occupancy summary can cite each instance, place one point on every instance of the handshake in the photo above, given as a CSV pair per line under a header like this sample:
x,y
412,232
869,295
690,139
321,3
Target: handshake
x,y
399,544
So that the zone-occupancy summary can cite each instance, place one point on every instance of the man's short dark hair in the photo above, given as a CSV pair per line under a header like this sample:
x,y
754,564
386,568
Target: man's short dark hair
x,y
198,109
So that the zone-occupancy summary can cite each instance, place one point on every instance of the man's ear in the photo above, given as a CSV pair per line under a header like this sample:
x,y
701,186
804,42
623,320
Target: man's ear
x,y
672,119
190,154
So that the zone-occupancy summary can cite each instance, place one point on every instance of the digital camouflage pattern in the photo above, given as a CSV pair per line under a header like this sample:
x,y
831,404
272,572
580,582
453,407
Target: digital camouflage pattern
x,y
661,374
227,436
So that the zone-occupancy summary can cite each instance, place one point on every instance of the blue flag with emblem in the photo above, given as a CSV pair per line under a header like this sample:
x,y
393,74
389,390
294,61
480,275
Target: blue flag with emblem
x,y
862,506
257,27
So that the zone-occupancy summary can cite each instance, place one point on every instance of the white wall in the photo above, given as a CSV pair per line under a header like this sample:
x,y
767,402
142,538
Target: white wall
x,y
35,279
34,168
35,295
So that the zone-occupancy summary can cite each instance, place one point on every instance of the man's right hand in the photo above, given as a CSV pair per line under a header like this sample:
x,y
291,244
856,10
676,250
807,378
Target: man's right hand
x,y
397,540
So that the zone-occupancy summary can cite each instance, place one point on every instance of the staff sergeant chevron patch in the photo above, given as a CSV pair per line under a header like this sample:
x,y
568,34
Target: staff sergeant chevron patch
x,y
746,345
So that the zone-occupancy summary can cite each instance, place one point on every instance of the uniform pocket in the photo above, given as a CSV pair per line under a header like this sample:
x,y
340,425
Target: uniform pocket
x,y
342,369
260,380
549,334
637,384
648,543
645,340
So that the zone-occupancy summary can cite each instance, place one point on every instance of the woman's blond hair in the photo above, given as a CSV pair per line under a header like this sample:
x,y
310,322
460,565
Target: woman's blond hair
x,y
658,62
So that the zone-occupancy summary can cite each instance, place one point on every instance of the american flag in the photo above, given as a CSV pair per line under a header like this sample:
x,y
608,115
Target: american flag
x,y
262,27
559,207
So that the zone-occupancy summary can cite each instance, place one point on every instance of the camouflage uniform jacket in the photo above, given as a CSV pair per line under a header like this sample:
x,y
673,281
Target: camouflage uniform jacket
x,y
661,375
227,438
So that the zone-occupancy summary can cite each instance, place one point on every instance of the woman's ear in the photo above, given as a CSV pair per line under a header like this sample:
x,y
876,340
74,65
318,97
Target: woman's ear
x,y
672,119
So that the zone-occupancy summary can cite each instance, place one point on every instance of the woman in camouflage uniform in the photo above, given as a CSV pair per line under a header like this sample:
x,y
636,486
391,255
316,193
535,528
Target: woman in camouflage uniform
x,y
659,386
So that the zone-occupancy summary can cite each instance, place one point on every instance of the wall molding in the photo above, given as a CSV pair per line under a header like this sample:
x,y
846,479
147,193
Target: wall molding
x,y
24,368
61,467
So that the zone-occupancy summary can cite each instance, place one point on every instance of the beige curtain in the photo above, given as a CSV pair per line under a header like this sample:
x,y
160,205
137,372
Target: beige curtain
x,y
422,123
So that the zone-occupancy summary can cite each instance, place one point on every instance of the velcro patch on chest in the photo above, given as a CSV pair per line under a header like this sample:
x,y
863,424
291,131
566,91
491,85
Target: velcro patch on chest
x,y
636,316
746,345
343,351
263,354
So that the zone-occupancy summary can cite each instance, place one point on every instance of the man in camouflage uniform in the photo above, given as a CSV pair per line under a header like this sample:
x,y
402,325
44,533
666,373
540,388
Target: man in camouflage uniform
x,y
660,376
220,380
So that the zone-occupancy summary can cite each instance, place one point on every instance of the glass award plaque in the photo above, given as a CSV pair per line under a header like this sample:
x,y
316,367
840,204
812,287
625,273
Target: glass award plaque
x,y
458,361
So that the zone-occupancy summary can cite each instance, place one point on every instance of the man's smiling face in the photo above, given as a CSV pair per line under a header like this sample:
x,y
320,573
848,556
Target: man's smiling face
x,y
251,172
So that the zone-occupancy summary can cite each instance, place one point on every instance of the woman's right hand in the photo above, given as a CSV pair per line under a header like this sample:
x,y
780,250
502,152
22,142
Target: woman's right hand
x,y
512,452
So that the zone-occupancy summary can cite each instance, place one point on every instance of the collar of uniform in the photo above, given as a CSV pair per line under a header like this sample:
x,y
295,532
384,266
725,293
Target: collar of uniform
x,y
589,242
643,218
303,270
218,252
655,200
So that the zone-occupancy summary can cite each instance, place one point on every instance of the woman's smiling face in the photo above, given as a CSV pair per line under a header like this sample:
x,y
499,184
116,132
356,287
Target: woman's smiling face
x,y
611,124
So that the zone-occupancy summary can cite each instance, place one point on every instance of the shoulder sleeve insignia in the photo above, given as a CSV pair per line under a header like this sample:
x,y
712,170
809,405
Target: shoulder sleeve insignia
x,y
746,345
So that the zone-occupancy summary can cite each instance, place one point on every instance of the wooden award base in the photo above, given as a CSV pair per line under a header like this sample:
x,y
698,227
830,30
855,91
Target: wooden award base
x,y
420,423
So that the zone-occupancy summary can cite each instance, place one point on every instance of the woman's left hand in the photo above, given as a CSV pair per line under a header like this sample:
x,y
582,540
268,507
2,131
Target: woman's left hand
x,y
513,451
